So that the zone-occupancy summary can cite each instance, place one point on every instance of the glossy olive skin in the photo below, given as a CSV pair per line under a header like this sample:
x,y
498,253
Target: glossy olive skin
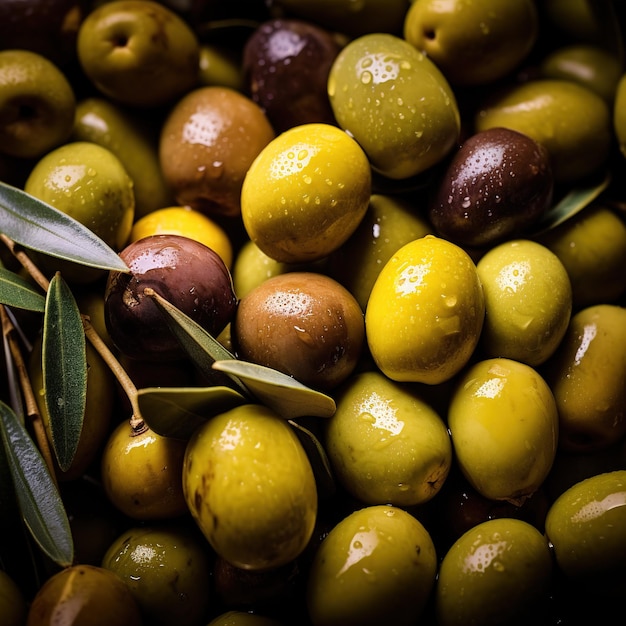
x,y
549,111
208,141
587,527
497,184
37,104
504,425
403,135
586,375
376,565
138,52
84,595
494,574
386,444
186,273
286,63
303,324
167,569
250,488
528,301
473,42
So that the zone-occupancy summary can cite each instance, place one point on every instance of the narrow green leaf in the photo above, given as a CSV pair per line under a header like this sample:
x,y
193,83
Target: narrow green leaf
x,y
201,347
39,226
573,202
19,293
64,365
38,497
178,411
318,458
282,393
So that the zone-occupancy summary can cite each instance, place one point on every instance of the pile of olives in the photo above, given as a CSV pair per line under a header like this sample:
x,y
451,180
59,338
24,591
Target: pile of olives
x,y
314,313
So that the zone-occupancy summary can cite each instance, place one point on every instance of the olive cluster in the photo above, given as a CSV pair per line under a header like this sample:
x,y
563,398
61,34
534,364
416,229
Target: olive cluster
x,y
358,351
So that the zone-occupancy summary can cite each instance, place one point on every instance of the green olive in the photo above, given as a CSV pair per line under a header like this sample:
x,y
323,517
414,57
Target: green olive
x,y
587,528
37,104
13,605
528,301
395,102
586,375
109,125
495,574
592,247
386,444
571,121
504,426
389,223
167,569
377,565
473,42
250,487
591,66
619,114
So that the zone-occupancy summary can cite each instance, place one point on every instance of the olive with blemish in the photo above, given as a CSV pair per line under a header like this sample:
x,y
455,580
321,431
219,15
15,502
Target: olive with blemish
x,y
303,324
286,63
497,184
183,271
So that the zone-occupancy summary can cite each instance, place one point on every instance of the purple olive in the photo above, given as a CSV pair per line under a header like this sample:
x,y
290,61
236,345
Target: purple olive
x,y
286,63
496,185
186,273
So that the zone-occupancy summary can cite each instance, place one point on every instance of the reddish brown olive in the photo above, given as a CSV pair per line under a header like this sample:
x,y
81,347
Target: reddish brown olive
x,y
496,185
303,324
186,273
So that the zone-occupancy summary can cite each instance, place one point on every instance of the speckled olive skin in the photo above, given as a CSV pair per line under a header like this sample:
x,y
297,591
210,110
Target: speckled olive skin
x,y
495,574
587,527
550,111
395,102
528,301
304,324
473,42
586,375
187,274
377,565
504,425
286,64
207,144
497,184
250,487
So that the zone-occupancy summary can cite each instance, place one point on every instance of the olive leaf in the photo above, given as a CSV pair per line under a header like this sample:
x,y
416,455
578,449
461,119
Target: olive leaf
x,y
64,365
178,411
19,293
570,204
318,458
39,226
201,347
282,393
39,500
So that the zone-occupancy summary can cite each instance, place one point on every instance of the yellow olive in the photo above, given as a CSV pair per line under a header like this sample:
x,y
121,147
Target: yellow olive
x,y
377,565
504,426
386,444
495,574
242,618
528,301
250,487
425,312
305,193
141,473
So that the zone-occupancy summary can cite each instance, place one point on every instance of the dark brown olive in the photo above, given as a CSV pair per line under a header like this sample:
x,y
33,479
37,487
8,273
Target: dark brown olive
x,y
496,185
186,273
303,324
286,64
